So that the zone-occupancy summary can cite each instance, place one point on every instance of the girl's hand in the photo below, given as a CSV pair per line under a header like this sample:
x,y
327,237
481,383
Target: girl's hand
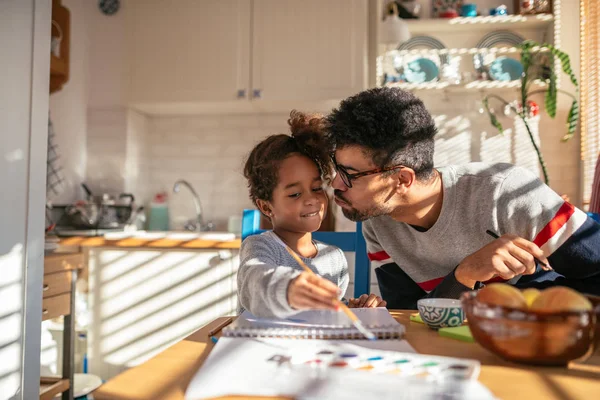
x,y
309,291
367,301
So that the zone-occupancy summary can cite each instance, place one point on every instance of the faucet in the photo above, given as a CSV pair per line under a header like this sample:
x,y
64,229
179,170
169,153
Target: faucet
x,y
199,225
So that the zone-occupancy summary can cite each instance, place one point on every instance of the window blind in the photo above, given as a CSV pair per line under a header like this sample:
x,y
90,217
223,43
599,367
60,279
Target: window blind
x,y
590,101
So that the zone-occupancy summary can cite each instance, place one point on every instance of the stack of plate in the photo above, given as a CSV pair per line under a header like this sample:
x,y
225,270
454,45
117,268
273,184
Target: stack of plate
x,y
502,68
420,68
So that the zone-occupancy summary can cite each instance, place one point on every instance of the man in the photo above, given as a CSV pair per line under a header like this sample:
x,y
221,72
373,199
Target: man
x,y
426,228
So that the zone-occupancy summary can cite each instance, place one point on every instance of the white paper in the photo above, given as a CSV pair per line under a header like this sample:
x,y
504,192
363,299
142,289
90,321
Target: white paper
x,y
246,366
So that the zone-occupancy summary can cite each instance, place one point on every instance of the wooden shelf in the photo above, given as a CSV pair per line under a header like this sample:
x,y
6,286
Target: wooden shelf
x,y
487,23
463,51
471,86
58,66
50,387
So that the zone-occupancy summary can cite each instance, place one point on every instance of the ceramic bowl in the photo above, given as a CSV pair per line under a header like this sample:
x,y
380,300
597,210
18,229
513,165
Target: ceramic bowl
x,y
532,337
441,313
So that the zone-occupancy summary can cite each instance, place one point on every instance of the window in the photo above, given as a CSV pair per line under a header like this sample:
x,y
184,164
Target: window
x,y
590,100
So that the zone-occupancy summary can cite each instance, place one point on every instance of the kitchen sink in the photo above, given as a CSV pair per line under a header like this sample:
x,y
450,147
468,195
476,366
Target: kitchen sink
x,y
172,235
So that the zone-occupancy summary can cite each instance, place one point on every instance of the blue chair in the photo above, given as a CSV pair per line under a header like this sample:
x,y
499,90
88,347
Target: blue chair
x,y
347,241
594,216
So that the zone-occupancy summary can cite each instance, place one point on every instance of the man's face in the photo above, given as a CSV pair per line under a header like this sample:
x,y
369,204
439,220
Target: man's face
x,y
370,196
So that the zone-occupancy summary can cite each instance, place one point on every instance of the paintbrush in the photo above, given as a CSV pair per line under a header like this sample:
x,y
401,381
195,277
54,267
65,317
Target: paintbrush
x,y
545,266
355,321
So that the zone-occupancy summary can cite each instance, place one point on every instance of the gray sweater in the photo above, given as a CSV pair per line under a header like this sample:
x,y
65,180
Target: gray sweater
x,y
411,264
266,269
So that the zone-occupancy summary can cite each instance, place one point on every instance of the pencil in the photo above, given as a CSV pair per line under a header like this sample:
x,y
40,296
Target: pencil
x,y
545,266
355,321
222,325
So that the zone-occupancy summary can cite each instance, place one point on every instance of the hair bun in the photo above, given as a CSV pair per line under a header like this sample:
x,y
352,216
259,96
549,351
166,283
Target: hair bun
x,y
309,132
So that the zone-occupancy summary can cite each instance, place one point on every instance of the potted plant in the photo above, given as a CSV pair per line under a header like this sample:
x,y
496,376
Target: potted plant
x,y
538,63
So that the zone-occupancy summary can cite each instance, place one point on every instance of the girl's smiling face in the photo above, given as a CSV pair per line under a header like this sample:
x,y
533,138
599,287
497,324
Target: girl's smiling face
x,y
298,202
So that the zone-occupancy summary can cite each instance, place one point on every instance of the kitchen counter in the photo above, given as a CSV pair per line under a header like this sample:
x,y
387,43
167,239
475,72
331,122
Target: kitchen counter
x,y
165,243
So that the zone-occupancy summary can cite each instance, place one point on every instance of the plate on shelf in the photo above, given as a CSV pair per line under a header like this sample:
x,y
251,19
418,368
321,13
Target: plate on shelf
x,y
414,68
425,42
421,70
505,69
503,65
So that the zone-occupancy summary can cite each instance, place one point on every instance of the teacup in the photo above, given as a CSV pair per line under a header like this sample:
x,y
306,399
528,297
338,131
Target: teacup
x,y
441,313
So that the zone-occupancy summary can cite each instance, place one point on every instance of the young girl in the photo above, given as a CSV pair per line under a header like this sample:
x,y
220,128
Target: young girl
x,y
285,176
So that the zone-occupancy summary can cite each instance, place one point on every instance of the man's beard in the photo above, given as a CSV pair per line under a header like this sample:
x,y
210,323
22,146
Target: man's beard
x,y
356,215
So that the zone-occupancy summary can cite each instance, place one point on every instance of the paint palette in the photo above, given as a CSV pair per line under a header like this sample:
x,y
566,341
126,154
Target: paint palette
x,y
344,356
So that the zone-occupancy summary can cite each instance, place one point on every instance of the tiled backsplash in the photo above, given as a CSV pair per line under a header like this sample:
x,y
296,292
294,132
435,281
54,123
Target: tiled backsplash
x,y
209,152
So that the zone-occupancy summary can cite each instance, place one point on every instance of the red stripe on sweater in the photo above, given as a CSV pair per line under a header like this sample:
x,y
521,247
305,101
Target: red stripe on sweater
x,y
562,216
495,279
428,286
379,256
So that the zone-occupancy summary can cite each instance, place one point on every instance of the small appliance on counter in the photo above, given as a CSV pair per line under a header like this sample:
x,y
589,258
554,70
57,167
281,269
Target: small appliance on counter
x,y
97,215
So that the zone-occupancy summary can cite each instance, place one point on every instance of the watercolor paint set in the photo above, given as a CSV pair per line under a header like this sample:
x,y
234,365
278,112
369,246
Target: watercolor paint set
x,y
343,356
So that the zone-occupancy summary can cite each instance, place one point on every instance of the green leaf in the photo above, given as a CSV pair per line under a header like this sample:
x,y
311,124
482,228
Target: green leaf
x,y
564,62
493,119
550,98
572,119
526,61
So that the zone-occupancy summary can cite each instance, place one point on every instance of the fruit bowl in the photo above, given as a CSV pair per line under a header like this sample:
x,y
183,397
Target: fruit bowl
x,y
533,337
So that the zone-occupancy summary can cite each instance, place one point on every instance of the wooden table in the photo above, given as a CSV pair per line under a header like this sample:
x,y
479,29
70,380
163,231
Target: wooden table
x,y
167,375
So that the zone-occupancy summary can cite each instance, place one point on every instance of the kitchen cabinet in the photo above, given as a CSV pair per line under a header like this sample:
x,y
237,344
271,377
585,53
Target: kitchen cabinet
x,y
192,51
142,300
308,50
60,275
61,32
217,51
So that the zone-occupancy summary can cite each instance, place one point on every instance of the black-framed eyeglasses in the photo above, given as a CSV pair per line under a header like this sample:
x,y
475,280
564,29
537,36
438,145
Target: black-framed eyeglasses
x,y
347,177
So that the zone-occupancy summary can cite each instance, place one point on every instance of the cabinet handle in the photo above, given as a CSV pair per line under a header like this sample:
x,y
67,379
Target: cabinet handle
x,y
45,287
256,93
241,93
44,311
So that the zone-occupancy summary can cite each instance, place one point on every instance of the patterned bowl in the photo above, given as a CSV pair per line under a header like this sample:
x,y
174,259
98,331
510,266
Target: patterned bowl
x,y
441,313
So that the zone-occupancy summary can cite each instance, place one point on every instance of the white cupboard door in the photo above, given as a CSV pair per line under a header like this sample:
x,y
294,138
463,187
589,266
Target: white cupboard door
x,y
308,50
214,64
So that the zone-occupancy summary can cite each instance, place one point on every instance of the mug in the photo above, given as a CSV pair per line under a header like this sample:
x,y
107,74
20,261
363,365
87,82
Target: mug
x,y
469,10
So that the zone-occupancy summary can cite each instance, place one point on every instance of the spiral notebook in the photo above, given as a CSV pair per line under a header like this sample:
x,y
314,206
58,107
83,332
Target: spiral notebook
x,y
317,325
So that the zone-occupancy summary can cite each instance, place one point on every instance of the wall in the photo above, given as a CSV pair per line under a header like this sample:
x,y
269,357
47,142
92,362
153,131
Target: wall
x,y
209,152
24,45
107,149
68,111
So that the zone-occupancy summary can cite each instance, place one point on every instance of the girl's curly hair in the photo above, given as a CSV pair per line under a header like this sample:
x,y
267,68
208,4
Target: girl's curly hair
x,y
307,138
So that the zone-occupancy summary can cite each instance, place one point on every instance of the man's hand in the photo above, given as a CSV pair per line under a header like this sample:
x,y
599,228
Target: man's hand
x,y
309,291
506,257
367,301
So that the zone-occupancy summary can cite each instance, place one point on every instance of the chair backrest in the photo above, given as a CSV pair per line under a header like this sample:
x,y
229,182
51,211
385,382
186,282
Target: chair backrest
x,y
347,241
